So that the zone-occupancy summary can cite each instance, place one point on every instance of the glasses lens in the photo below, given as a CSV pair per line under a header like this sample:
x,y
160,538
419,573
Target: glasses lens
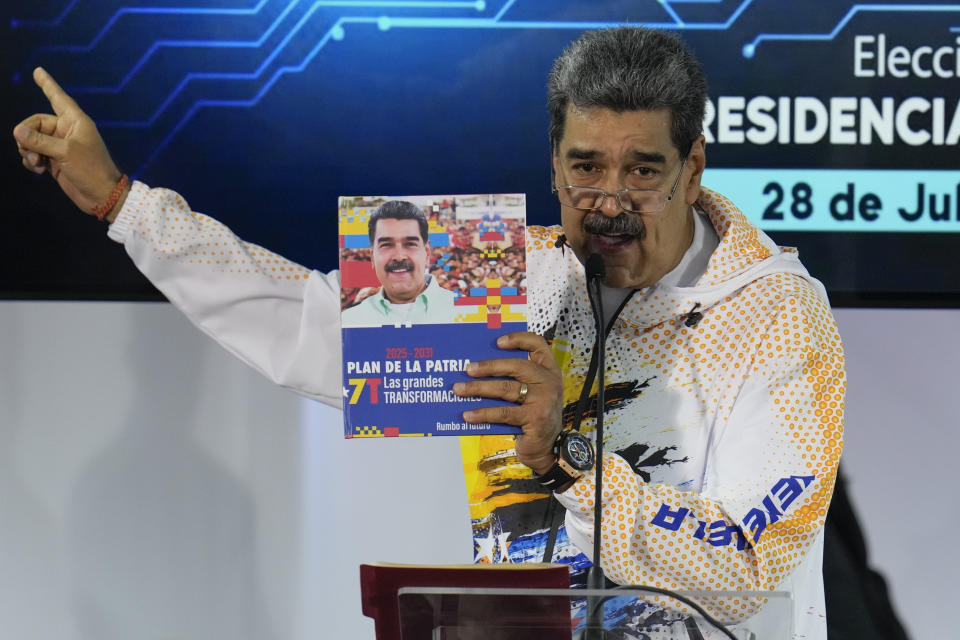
x,y
633,200
581,197
642,200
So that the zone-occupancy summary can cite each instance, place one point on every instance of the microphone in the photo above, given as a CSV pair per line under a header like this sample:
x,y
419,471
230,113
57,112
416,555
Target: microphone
x,y
691,318
596,271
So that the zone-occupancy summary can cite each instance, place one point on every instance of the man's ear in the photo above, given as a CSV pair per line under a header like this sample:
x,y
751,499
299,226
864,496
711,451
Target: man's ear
x,y
696,163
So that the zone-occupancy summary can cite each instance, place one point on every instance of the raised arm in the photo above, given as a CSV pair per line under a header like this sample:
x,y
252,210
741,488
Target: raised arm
x,y
68,145
279,317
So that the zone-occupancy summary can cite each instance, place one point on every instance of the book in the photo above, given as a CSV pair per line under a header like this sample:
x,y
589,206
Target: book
x,y
428,283
399,616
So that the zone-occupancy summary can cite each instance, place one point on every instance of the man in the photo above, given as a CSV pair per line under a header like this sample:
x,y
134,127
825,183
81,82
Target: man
x,y
724,371
723,364
400,244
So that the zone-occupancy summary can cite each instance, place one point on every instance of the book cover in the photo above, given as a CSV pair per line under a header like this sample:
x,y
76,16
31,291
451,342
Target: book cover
x,y
428,283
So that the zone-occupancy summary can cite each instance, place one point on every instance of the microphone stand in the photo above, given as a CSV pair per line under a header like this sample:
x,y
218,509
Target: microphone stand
x,y
596,271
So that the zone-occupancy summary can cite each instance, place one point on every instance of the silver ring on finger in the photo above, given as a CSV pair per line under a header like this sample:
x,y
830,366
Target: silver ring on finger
x,y
524,390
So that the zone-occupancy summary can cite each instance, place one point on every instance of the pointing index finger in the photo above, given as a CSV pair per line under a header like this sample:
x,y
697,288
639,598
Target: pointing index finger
x,y
58,98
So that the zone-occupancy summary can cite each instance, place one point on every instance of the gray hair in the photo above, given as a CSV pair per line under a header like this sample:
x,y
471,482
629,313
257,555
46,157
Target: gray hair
x,y
398,210
629,69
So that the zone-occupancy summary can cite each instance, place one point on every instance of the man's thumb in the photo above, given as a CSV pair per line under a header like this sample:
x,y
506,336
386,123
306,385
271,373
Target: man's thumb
x,y
34,140
22,133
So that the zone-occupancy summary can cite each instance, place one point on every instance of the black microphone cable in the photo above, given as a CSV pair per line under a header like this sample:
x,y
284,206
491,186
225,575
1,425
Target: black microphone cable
x,y
596,271
687,601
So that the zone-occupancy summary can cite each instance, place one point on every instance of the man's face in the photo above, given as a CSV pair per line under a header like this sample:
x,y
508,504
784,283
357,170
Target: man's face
x,y
609,150
400,259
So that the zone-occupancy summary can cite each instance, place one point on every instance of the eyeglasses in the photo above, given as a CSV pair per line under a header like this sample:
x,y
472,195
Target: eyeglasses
x,y
632,200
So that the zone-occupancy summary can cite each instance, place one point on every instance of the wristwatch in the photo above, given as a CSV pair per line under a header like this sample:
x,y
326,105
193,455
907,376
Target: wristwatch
x,y
575,455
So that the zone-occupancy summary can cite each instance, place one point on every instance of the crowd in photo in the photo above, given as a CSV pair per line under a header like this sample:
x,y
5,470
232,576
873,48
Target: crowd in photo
x,y
466,263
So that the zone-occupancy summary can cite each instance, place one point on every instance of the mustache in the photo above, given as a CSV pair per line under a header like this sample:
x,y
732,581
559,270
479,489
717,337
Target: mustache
x,y
623,224
398,265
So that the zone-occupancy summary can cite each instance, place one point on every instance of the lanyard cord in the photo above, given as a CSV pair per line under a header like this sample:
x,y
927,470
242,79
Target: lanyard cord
x,y
550,518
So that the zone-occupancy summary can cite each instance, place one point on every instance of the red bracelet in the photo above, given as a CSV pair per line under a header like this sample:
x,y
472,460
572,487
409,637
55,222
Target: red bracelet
x,y
104,209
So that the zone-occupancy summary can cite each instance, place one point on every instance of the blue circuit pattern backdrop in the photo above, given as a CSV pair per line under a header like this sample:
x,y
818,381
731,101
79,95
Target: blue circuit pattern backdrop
x,y
834,125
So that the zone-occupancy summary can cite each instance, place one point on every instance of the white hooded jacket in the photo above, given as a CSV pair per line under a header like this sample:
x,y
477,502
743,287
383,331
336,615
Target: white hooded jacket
x,y
722,437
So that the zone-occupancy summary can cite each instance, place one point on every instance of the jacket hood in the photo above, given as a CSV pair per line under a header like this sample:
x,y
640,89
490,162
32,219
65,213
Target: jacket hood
x,y
744,254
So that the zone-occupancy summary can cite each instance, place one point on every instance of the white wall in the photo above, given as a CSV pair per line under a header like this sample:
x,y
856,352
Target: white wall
x,y
151,487
901,444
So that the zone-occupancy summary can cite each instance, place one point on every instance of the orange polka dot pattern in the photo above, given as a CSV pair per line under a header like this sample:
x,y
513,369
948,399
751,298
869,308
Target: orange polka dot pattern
x,y
733,411
278,317
175,233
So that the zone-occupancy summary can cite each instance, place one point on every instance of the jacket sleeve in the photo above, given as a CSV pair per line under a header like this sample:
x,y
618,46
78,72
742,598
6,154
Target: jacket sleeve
x,y
279,317
769,475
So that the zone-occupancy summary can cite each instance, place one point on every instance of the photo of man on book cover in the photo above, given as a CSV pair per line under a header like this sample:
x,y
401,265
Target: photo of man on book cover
x,y
427,284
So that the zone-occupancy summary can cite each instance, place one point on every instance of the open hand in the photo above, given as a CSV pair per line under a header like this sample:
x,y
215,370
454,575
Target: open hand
x,y
69,146
538,413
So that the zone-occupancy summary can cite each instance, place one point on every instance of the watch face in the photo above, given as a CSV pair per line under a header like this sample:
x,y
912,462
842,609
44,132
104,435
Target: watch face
x,y
578,450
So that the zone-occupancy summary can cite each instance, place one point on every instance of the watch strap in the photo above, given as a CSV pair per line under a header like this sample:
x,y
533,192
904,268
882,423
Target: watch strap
x,y
558,475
